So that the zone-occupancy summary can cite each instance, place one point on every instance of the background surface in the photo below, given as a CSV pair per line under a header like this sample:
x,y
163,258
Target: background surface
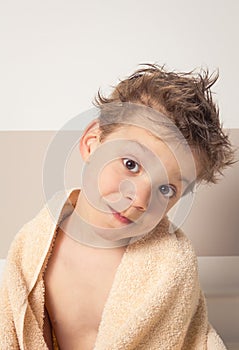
x,y
56,54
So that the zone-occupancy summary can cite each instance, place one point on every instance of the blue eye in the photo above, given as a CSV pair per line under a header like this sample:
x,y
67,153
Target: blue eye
x,y
167,191
131,165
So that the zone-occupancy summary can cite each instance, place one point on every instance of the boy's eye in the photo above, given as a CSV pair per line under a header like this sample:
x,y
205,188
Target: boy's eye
x,y
131,165
167,191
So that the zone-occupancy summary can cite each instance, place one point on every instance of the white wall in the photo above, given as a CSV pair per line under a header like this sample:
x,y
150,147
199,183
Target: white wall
x,y
55,54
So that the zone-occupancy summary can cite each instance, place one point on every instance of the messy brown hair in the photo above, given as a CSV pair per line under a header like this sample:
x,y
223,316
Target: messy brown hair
x,y
186,99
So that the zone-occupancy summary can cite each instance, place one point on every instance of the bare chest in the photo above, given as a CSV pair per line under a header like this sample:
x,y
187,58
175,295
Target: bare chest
x,y
78,280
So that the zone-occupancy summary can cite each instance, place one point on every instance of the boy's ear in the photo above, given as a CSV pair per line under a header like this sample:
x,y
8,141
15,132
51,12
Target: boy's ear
x,y
90,139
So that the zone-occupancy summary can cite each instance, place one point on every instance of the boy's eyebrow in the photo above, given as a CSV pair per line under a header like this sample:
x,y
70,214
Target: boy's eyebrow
x,y
137,143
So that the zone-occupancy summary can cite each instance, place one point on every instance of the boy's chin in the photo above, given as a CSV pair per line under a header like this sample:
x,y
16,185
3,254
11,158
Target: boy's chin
x,y
124,232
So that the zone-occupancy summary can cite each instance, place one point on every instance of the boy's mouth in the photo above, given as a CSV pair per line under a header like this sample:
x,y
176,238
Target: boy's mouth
x,y
119,217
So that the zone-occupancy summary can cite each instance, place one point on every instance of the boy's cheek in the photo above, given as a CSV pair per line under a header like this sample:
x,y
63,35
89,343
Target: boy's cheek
x,y
108,182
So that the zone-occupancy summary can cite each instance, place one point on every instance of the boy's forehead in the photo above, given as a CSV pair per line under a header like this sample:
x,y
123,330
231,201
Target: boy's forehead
x,y
143,140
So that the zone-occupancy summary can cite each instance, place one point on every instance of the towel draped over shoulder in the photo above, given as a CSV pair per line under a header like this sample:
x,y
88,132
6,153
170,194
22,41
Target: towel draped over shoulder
x,y
155,302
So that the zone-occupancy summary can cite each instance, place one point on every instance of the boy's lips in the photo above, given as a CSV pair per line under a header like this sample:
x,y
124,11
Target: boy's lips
x,y
119,217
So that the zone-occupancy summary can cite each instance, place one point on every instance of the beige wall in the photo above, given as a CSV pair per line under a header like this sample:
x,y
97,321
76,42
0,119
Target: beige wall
x,y
213,224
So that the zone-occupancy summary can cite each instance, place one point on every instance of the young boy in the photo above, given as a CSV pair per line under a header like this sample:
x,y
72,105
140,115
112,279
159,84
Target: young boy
x,y
110,275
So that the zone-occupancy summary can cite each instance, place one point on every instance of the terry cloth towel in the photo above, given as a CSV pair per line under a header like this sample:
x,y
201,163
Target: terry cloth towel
x,y
155,302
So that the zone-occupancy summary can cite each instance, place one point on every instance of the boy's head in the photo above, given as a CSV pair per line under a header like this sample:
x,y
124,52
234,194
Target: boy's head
x,y
186,99
156,135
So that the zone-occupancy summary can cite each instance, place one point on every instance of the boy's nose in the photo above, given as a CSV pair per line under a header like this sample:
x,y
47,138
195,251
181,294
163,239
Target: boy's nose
x,y
139,194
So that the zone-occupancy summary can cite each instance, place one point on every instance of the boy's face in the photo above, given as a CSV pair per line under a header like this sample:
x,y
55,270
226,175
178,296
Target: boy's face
x,y
131,179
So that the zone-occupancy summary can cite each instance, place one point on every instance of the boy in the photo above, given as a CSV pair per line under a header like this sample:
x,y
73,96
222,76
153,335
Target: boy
x,y
109,275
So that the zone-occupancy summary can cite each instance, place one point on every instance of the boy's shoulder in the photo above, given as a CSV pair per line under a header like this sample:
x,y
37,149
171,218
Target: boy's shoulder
x,y
172,252
172,238
33,241
32,234
26,253
40,228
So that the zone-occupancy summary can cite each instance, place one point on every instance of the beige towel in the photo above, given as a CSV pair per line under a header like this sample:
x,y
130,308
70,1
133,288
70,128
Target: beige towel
x,y
155,302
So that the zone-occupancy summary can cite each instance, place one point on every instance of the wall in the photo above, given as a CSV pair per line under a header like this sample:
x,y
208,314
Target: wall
x,y
212,222
56,54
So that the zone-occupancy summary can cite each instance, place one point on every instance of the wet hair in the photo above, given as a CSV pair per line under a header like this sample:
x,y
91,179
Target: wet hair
x,y
184,98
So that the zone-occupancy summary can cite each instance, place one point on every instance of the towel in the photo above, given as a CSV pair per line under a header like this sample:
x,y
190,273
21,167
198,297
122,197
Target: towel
x,y
155,302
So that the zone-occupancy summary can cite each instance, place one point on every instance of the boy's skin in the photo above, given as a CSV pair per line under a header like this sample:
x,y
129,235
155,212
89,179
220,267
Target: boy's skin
x,y
78,277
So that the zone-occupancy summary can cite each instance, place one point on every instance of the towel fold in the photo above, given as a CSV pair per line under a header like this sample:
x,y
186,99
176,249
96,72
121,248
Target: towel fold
x,y
155,302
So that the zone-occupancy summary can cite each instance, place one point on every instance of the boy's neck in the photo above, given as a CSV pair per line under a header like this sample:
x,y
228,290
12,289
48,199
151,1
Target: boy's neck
x,y
79,230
